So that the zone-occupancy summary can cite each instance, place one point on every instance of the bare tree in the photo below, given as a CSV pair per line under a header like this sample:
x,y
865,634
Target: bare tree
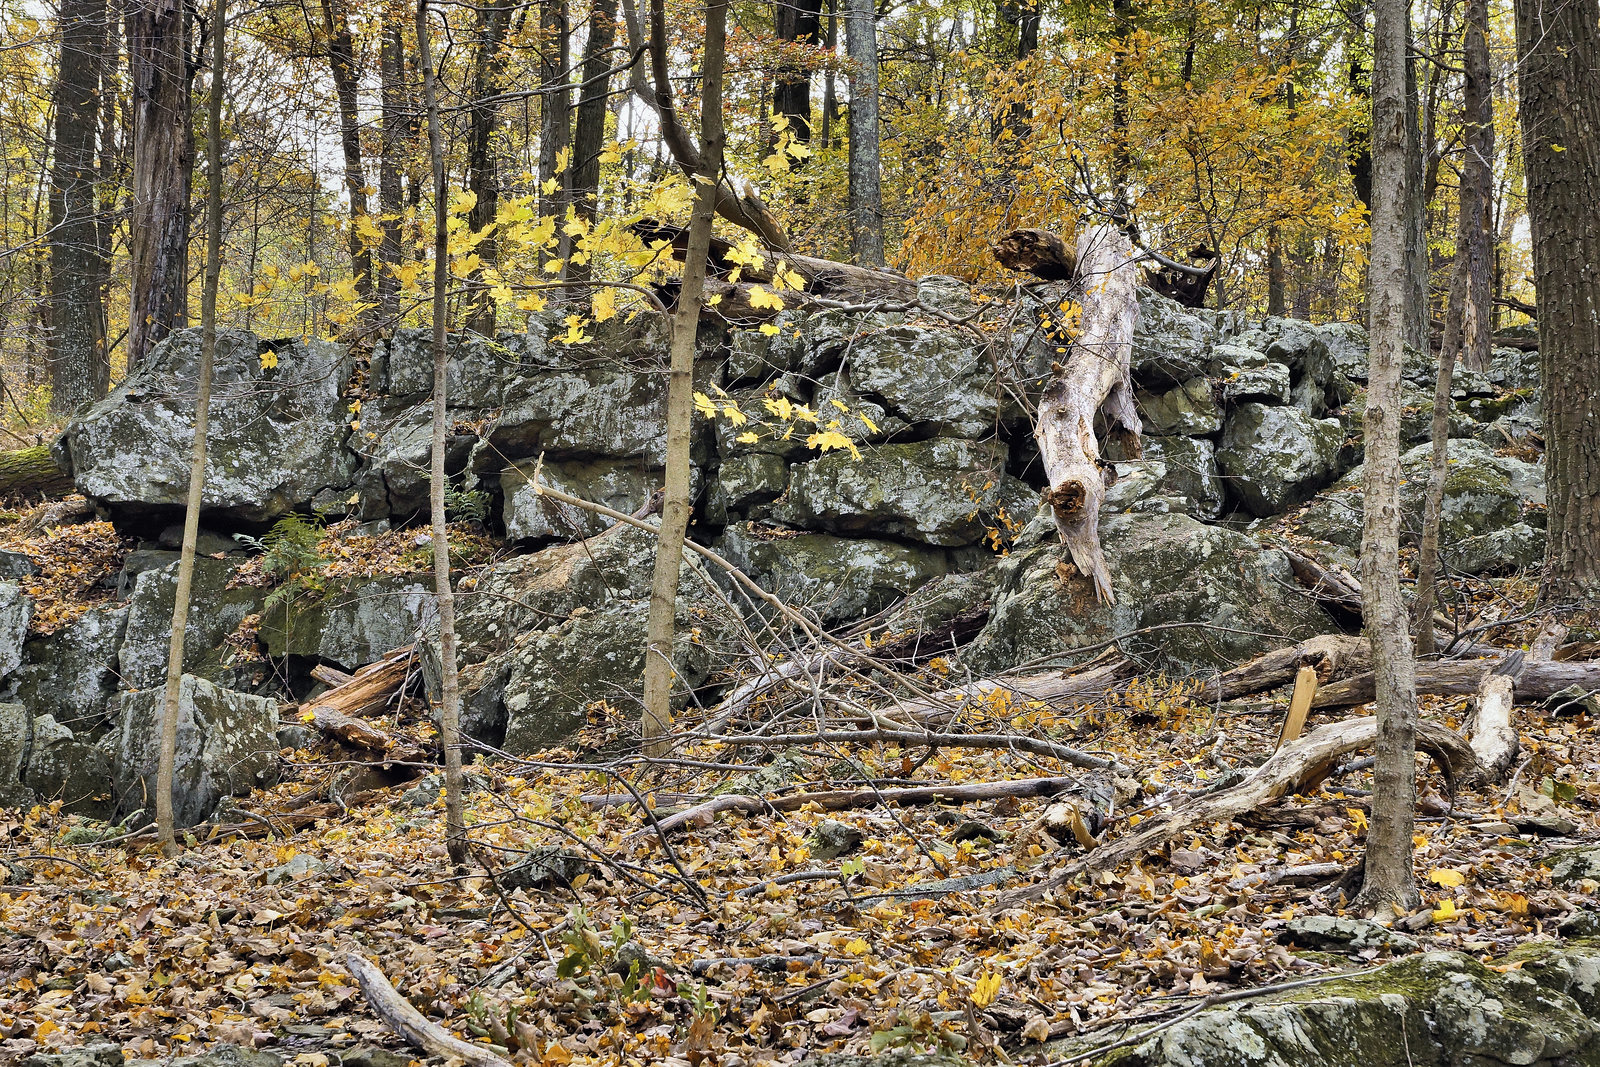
x,y
866,198
483,170
172,698
444,593
660,622
1389,878
341,53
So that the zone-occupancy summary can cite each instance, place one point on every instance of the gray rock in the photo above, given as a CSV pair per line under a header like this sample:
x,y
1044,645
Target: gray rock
x,y
1273,458
227,746
99,1055
1517,547
1267,384
938,379
1430,1010
832,839
746,481
207,543
1584,923
16,565
837,578
945,491
1189,408
1576,865
1513,368
1339,932
298,867
350,625
215,612
276,436
295,737
41,761
1182,467
15,740
217,1056
622,485
72,674
1171,344
544,867
16,612
1241,598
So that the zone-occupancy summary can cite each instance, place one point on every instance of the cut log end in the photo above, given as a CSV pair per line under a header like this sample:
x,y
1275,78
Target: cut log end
x,y
1039,253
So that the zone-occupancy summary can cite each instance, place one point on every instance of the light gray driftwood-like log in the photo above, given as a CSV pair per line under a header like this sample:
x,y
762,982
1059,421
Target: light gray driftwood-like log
x,y
398,1014
1093,382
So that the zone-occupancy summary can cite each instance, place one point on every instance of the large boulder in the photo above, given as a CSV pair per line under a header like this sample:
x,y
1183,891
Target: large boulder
x,y
16,728
350,625
938,379
1183,468
63,766
1540,1008
16,612
72,674
1240,598
622,485
1187,408
836,578
945,491
1171,343
1276,457
545,635
227,746
276,439
215,611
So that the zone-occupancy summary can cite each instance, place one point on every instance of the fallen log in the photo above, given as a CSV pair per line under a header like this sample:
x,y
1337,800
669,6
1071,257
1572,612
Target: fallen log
x,y
1293,768
1538,681
703,814
369,689
1331,588
1092,385
1037,252
920,738
359,733
1330,655
399,1015
1051,687
32,472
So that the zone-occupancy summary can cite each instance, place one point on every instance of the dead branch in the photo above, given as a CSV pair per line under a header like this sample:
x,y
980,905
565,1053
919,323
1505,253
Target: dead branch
x,y
1093,384
1331,655
704,814
1039,253
1003,742
1293,768
399,1015
1050,687
370,688
1538,681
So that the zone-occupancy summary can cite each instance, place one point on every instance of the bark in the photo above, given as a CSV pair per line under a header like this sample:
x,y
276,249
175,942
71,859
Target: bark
x,y
396,140
341,53
360,733
866,198
1415,207
369,689
444,594
202,411
1494,739
483,171
1093,384
589,136
1537,682
555,120
675,507
80,366
1294,768
404,1019
1331,656
1389,878
27,471
1559,79
163,159
800,23
1039,253
1277,275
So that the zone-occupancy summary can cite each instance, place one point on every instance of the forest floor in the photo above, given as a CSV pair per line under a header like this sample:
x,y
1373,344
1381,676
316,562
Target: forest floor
x,y
742,944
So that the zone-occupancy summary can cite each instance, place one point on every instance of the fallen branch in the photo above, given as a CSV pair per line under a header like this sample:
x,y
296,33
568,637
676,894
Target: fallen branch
x,y
1003,742
1330,655
702,815
370,688
1045,688
1538,681
359,733
1293,768
400,1016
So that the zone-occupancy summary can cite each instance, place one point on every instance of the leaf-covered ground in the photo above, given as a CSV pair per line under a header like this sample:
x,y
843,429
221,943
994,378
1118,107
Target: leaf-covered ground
x,y
760,950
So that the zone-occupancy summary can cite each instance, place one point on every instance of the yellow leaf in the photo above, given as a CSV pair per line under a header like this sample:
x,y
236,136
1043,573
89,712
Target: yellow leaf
x,y
605,303
832,439
987,987
1445,910
1446,877
858,947
747,438
704,406
770,330
765,298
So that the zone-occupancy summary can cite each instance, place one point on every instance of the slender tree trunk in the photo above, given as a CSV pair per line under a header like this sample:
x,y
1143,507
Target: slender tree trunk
x,y
555,128
80,369
1416,216
483,171
342,64
449,686
1389,877
172,697
589,136
163,161
396,140
660,623
866,199
1559,76
1121,151
1466,329
1277,282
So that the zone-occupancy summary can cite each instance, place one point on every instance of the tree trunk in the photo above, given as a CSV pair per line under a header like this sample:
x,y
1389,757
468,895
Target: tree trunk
x,y
589,135
1389,878
396,140
444,594
555,120
1560,84
342,64
80,366
32,470
658,672
1466,329
799,22
163,161
483,171
1277,280
1415,213
202,411
866,199
1093,384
